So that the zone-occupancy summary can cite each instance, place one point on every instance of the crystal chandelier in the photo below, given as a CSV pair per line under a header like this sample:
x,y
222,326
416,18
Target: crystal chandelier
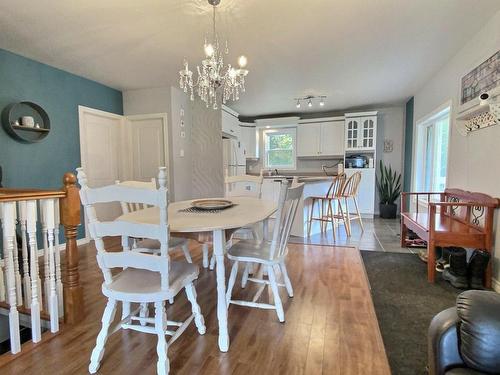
x,y
213,77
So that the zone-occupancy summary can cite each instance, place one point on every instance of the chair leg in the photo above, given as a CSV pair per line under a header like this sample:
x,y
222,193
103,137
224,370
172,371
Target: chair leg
x,y
311,217
246,272
171,300
276,294
332,218
163,365
348,217
288,283
212,262
144,312
358,213
322,215
255,235
195,308
125,309
187,255
232,279
102,337
204,249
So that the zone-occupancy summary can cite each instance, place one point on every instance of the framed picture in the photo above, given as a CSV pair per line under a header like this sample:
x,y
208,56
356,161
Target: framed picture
x,y
484,77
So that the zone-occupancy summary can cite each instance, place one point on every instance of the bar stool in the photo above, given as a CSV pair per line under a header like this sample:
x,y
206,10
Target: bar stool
x,y
350,191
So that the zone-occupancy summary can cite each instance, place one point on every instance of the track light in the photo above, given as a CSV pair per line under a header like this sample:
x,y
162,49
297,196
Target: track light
x,y
322,102
309,100
298,103
310,103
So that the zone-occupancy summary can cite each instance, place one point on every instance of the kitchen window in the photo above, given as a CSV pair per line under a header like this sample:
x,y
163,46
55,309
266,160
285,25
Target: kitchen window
x,y
431,152
279,146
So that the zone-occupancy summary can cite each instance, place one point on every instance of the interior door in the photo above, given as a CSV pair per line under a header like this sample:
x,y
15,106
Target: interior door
x,y
148,145
101,139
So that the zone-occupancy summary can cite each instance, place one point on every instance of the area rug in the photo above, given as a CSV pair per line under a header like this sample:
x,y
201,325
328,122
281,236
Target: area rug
x,y
405,304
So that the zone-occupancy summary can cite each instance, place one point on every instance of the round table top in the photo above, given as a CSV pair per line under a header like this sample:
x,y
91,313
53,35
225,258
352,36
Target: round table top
x,y
246,211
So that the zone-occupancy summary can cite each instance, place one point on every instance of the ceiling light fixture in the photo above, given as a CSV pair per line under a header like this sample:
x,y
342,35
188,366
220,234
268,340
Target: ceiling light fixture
x,y
213,75
310,99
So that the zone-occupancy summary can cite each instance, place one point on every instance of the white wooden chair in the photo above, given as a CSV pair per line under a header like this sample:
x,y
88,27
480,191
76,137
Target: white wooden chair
x,y
145,278
350,191
148,244
269,254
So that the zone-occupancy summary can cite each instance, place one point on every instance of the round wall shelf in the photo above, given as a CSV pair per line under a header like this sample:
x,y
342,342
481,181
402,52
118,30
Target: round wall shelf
x,y
12,121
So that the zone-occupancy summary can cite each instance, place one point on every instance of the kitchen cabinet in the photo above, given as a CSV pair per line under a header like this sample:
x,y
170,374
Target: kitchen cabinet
x,y
271,189
361,131
366,190
320,139
230,124
249,137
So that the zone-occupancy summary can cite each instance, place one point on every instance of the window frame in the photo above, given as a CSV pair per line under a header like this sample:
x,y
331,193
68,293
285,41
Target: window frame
x,y
277,131
420,146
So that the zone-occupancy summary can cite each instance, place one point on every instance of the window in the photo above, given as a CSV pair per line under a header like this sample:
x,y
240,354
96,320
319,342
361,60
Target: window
x,y
431,152
279,145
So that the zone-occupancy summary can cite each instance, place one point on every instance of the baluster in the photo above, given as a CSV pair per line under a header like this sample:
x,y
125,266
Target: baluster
x,y
17,274
31,216
48,215
9,235
46,283
59,285
24,246
2,284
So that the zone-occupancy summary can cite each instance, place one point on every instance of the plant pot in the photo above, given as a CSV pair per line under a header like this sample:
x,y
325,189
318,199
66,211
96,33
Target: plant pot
x,y
388,210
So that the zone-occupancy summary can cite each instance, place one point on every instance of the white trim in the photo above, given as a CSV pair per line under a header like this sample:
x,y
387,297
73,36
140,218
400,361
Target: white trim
x,y
321,119
496,285
276,121
361,114
435,112
230,111
293,132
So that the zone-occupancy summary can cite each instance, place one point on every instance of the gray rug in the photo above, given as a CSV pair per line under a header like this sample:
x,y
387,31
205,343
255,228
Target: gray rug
x,y
405,303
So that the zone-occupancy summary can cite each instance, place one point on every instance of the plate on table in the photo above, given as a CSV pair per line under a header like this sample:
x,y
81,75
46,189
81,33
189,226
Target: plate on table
x,y
211,204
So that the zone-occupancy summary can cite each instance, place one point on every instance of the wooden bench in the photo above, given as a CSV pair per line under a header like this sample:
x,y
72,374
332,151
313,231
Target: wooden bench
x,y
453,218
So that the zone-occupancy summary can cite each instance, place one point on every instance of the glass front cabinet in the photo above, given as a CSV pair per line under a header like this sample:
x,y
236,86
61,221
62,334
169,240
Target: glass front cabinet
x,y
361,132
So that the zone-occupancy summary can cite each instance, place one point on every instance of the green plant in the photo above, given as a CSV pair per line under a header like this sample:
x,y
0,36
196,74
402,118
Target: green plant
x,y
388,184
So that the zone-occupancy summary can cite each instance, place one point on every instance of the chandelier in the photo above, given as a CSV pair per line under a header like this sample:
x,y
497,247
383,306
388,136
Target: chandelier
x,y
214,78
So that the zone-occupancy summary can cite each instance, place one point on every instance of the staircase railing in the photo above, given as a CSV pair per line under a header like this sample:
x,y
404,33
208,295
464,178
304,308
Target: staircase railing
x,y
32,280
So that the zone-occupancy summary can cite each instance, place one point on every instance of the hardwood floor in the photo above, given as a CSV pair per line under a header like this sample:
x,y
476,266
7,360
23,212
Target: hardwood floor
x,y
330,327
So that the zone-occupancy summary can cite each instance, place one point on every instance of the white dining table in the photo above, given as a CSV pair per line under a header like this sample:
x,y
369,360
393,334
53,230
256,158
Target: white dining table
x,y
211,227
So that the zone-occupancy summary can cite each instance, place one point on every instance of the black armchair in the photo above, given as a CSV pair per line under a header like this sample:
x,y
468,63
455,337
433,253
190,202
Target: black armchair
x,y
465,340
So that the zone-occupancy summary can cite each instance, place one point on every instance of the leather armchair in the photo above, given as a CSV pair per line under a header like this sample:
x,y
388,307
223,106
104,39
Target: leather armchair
x,y
465,340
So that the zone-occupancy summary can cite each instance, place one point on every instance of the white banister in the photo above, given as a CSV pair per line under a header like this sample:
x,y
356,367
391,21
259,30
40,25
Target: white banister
x,y
24,246
53,307
31,216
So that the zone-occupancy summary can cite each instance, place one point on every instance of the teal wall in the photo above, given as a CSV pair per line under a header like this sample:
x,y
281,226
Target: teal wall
x,y
43,164
408,145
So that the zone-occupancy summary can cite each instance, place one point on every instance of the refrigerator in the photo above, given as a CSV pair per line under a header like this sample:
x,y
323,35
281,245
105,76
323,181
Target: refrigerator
x,y
233,155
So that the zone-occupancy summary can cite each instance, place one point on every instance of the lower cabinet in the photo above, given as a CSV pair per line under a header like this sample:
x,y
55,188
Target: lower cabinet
x,y
366,191
271,189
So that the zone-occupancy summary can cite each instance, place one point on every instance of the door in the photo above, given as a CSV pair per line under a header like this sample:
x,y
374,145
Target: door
x,y
352,133
332,138
308,138
101,139
148,138
368,133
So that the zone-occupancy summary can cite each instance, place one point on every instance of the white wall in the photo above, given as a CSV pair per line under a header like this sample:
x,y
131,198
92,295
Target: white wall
x,y
473,160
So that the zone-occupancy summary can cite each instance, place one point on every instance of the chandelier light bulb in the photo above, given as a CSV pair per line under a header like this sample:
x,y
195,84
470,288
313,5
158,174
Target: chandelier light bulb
x,y
242,61
309,103
209,50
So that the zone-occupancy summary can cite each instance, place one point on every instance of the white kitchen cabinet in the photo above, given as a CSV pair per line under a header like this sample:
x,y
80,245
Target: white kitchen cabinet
x,y
361,131
230,124
308,139
271,189
320,139
249,136
332,138
366,191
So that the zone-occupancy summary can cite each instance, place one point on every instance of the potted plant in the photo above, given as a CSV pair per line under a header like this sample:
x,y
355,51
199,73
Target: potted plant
x,y
389,188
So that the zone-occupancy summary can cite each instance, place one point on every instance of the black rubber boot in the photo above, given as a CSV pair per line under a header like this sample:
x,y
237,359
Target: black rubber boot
x,y
456,274
444,261
477,268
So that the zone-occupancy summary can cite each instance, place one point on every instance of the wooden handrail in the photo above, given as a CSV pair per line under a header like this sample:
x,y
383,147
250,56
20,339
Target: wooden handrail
x,y
69,206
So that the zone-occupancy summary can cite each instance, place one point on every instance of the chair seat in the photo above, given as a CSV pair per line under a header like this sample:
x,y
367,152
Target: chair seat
x,y
137,285
323,197
155,244
253,251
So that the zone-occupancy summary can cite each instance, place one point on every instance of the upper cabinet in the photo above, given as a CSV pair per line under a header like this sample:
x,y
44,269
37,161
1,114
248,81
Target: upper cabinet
x,y
320,139
230,123
361,131
249,136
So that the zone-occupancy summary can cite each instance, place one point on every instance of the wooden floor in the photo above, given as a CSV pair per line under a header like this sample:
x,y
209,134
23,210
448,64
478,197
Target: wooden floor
x,y
330,327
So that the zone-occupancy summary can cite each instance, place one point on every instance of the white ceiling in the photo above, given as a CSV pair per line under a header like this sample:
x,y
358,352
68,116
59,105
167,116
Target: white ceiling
x,y
357,52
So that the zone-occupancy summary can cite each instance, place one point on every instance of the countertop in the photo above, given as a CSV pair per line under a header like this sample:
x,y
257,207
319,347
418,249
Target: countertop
x,y
302,177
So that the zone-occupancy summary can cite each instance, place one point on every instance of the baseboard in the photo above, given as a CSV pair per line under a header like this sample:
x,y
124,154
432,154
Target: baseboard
x,y
496,285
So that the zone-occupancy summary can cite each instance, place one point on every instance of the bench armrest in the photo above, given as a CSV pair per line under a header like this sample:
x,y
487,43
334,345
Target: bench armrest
x,y
463,204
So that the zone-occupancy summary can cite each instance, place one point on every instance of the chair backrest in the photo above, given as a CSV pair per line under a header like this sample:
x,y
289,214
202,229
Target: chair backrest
x,y
99,229
351,186
134,206
237,186
337,186
287,208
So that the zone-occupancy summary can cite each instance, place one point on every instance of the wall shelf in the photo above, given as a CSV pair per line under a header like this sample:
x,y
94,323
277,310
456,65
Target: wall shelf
x,y
11,121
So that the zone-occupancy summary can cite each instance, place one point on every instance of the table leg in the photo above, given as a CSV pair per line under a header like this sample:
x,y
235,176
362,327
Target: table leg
x,y
219,244
265,229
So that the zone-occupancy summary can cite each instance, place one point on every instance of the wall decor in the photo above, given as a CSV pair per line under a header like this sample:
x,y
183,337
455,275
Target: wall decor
x,y
26,122
388,145
485,77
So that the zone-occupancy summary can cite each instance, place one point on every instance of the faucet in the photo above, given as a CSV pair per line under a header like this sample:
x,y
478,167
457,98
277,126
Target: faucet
x,y
276,172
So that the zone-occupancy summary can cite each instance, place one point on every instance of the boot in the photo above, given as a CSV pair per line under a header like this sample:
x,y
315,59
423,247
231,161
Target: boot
x,y
444,261
477,268
456,274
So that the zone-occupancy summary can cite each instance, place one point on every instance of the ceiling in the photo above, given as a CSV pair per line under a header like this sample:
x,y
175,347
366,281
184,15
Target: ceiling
x,y
356,52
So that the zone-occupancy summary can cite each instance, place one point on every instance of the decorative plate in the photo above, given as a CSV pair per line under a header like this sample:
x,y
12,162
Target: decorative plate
x,y
211,204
